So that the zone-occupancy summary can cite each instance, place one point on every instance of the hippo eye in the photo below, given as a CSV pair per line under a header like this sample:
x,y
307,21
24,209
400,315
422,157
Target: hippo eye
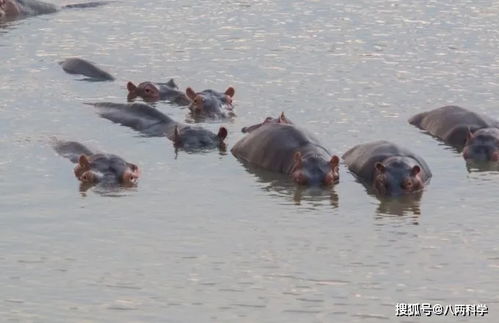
x,y
148,91
85,177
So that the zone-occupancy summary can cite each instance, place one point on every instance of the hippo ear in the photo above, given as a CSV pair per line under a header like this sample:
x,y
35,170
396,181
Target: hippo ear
x,y
133,167
190,93
380,167
282,118
176,136
335,161
222,133
171,83
84,162
469,135
230,91
298,160
131,87
415,170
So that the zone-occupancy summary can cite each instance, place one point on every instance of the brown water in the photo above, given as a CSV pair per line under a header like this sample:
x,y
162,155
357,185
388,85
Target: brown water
x,y
205,239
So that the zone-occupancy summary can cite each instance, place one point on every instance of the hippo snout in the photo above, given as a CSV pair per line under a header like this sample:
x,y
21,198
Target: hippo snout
x,y
480,153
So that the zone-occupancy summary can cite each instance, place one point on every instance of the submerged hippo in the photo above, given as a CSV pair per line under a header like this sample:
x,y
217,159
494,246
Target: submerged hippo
x,y
95,168
151,122
12,9
152,92
80,66
389,169
211,104
285,148
475,134
282,119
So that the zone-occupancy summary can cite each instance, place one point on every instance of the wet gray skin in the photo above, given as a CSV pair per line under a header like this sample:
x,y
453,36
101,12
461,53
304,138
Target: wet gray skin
x,y
482,146
210,104
12,9
281,119
83,67
388,169
287,149
452,124
152,92
152,122
107,171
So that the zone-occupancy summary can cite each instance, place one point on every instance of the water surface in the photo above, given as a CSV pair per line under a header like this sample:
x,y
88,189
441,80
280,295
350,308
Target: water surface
x,y
204,238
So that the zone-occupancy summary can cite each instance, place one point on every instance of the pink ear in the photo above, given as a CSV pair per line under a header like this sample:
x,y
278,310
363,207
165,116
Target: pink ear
x,y
415,170
84,162
190,93
380,167
222,133
230,91
131,87
133,167
335,161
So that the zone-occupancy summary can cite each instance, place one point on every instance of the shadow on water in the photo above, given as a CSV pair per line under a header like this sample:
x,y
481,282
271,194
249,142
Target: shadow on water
x,y
407,205
475,167
106,190
6,24
404,205
281,185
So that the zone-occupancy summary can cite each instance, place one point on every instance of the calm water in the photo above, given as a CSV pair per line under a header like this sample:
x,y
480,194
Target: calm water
x,y
205,239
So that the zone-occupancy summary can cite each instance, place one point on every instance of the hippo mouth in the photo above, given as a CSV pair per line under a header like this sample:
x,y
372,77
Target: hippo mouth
x,y
481,154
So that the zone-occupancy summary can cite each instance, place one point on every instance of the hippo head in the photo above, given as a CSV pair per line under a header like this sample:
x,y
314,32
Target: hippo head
x,y
395,176
482,145
195,138
269,120
314,170
9,8
210,103
146,90
106,170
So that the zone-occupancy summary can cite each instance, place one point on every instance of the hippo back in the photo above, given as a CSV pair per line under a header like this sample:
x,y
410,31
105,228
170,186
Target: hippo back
x,y
35,7
451,123
138,116
361,159
71,150
272,146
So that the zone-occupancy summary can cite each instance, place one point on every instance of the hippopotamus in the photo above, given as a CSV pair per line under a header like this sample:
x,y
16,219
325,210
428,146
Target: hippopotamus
x,y
152,92
96,168
80,66
476,135
11,9
210,104
151,122
390,170
286,148
281,119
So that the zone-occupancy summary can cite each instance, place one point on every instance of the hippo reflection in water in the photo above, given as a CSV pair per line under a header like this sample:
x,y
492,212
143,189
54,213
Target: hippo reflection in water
x,y
96,168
